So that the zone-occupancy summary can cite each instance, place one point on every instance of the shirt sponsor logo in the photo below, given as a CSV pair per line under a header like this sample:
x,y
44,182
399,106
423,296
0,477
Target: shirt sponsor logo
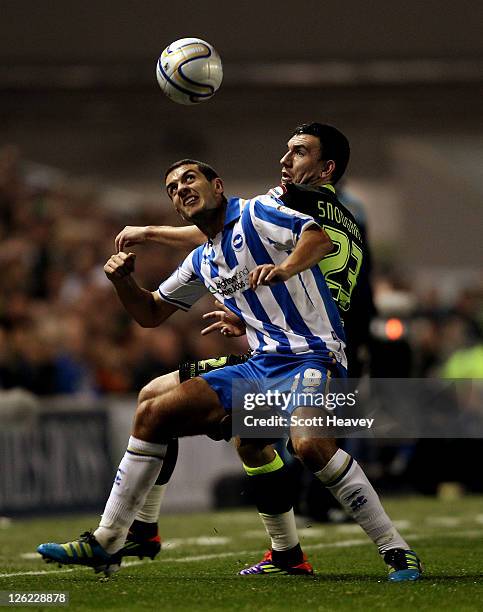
x,y
232,284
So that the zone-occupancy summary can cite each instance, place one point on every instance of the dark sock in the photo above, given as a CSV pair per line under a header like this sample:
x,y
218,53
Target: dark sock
x,y
169,462
144,531
272,492
288,558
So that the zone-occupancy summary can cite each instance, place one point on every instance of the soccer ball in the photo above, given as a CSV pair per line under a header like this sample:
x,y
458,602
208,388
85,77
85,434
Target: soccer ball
x,y
189,71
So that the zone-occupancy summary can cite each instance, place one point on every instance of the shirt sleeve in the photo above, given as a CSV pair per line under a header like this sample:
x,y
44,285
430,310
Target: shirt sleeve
x,y
184,287
281,225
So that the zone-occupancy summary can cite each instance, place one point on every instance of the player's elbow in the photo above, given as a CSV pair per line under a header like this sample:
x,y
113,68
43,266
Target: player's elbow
x,y
150,319
322,243
146,323
328,245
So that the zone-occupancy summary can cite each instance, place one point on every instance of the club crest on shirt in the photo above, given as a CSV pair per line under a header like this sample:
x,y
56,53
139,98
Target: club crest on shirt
x,y
237,242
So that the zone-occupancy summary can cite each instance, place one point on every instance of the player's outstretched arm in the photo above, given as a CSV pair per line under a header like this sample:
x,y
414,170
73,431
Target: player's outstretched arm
x,y
227,323
146,307
176,237
313,245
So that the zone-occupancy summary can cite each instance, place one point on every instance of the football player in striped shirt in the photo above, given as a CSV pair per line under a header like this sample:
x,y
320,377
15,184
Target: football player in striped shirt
x,y
315,160
314,154
260,261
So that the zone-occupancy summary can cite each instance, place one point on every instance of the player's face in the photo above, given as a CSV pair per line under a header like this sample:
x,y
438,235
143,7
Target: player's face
x,y
301,163
192,193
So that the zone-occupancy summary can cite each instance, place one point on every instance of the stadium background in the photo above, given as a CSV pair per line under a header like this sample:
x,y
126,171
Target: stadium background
x,y
85,135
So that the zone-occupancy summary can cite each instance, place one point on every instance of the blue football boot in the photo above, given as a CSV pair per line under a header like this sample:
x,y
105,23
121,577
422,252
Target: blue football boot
x,y
404,565
84,551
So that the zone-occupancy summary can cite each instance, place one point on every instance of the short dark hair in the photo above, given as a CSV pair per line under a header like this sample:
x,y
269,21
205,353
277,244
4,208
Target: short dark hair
x,y
209,172
333,145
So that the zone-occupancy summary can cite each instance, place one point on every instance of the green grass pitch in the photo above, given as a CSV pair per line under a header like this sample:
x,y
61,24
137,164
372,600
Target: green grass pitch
x,y
202,553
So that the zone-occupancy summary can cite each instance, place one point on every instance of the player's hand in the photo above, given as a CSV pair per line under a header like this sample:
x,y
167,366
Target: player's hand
x,y
226,322
130,235
119,266
267,274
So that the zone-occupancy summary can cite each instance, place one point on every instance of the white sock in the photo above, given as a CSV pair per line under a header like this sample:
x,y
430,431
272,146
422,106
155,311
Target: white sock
x,y
136,475
149,513
282,529
345,479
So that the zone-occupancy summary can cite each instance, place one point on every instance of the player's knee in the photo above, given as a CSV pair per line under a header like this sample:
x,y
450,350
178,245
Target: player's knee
x,y
315,453
148,420
302,447
250,455
148,392
144,411
158,386
254,453
145,394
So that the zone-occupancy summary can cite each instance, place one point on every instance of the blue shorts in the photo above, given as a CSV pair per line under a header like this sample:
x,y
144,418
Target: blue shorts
x,y
273,373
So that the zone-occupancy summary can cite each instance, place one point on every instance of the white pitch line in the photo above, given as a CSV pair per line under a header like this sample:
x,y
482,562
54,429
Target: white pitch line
x,y
200,541
443,521
167,544
39,573
5,522
402,524
347,529
257,552
256,533
64,570
196,557
321,545
312,532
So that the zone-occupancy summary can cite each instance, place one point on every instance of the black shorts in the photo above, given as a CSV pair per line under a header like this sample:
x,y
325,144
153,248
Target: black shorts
x,y
192,369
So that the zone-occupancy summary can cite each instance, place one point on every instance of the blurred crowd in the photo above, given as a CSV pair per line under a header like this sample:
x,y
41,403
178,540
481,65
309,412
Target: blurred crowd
x,y
63,331
437,338
62,328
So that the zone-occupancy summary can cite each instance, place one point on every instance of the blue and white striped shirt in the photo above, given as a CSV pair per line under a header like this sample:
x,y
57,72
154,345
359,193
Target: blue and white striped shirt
x,y
297,316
